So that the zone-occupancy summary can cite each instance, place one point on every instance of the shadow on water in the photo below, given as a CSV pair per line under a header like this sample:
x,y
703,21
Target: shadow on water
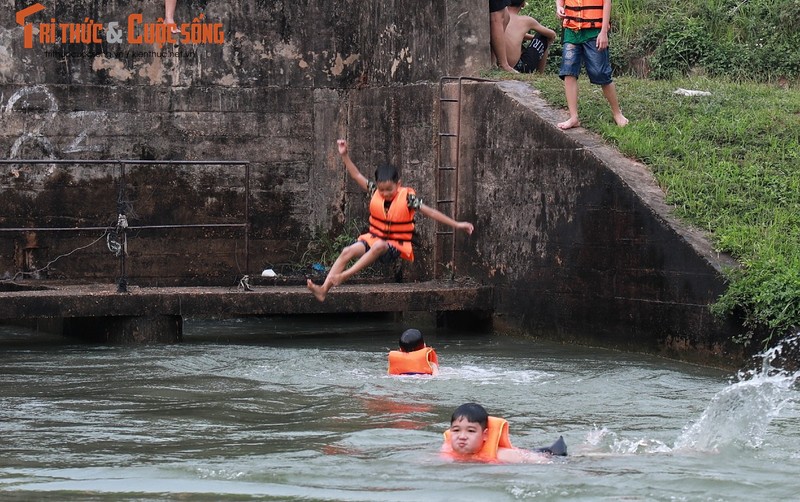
x,y
296,328
18,337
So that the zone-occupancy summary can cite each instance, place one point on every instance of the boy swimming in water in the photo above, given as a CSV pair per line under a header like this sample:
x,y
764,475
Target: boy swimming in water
x,y
474,436
391,224
414,357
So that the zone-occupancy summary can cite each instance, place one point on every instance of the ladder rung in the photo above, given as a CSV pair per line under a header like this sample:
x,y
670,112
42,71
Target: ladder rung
x,y
445,201
449,100
447,168
450,134
445,232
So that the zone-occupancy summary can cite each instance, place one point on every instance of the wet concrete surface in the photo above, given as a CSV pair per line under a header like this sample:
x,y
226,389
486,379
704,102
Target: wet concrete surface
x,y
54,299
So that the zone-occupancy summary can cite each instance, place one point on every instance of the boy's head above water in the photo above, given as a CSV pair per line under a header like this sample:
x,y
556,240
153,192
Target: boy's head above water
x,y
468,428
411,340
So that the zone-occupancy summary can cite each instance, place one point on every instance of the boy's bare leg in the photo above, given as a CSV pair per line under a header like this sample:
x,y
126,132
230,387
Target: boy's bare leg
x,y
366,260
497,38
351,252
169,14
318,291
610,92
571,92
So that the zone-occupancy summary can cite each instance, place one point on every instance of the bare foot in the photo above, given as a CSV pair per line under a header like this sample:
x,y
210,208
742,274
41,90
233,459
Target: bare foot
x,y
318,291
172,26
509,69
620,120
569,124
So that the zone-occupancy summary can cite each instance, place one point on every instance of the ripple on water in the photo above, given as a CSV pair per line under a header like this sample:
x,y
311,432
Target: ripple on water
x,y
320,419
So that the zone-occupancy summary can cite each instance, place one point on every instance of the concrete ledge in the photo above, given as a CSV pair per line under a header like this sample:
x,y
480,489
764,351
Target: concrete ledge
x,y
209,302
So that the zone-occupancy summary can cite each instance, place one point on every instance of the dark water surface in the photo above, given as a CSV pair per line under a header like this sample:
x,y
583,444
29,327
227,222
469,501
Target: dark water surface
x,y
294,409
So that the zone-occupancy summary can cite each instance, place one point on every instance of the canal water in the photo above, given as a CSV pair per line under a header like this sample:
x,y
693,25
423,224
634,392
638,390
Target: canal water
x,y
302,409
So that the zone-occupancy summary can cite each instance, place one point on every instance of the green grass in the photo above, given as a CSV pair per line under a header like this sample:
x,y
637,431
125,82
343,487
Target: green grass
x,y
730,164
324,248
752,39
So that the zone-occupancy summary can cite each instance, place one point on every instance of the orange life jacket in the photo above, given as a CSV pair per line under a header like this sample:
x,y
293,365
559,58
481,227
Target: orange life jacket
x,y
412,363
395,225
583,14
496,438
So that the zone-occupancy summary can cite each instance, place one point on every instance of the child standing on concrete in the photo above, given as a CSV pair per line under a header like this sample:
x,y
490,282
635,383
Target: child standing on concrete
x,y
586,24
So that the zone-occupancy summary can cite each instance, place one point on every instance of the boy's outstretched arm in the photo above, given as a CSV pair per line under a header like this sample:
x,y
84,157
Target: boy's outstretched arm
x,y
352,170
443,218
543,30
521,456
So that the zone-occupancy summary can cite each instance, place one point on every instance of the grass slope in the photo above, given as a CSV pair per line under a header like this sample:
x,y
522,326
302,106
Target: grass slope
x,y
728,162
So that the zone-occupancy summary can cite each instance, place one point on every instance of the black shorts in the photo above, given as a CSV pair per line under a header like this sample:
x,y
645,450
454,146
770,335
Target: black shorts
x,y
532,54
391,255
495,5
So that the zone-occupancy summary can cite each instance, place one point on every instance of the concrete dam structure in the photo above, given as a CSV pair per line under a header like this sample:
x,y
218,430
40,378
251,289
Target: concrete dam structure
x,y
574,241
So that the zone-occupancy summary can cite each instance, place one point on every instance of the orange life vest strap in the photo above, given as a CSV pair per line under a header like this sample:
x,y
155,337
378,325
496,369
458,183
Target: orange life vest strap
x,y
583,14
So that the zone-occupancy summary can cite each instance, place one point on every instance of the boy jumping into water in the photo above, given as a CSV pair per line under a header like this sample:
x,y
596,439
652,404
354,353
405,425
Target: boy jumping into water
x,y
474,436
391,224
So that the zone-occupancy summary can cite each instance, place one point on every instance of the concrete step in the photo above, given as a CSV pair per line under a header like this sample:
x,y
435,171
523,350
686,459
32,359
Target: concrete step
x,y
103,300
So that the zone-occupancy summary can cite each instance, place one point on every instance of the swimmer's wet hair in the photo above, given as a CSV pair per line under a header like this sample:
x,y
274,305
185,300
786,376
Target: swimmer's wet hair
x,y
411,340
387,172
516,3
473,412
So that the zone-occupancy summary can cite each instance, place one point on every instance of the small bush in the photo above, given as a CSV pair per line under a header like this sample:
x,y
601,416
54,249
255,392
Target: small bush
x,y
325,246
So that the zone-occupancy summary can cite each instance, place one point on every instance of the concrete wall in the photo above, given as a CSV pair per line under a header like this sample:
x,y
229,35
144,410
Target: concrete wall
x,y
288,79
576,238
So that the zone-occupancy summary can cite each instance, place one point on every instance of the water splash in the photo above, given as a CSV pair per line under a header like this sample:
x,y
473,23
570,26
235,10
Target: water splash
x,y
740,413
492,375
604,440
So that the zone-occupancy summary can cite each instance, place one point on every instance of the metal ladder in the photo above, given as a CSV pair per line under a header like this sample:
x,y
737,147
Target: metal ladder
x,y
447,170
